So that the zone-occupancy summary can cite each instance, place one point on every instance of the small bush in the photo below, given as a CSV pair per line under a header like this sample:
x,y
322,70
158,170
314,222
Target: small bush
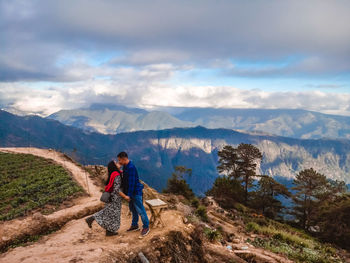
x,y
201,212
212,234
195,202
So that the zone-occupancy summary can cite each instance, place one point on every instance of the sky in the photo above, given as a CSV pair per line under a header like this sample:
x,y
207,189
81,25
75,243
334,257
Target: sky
x,y
196,53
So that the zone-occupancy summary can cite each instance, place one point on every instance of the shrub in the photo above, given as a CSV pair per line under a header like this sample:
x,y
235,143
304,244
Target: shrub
x,y
212,234
201,212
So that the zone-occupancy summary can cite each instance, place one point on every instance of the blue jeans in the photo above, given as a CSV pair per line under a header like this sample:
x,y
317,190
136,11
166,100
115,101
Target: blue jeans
x,y
136,207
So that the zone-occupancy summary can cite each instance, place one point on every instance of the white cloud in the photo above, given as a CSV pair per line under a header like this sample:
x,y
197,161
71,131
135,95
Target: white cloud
x,y
142,90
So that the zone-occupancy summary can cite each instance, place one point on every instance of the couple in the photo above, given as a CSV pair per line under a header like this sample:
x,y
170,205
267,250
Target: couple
x,y
125,185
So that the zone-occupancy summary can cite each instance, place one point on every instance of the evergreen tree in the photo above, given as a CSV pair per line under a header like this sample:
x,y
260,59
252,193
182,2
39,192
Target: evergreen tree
x,y
265,196
240,164
227,191
177,183
310,186
334,220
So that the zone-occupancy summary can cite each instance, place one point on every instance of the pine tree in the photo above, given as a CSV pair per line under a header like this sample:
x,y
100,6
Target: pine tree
x,y
310,186
177,183
240,163
265,196
333,220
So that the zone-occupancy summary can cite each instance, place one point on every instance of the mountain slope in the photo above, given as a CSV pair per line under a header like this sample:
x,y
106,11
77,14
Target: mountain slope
x,y
284,122
157,152
109,119
112,119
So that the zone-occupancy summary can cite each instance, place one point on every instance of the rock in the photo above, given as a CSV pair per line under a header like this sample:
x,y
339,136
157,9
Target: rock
x,y
39,217
236,241
185,209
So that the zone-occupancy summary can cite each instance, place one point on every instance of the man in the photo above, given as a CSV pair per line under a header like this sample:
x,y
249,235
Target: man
x,y
133,189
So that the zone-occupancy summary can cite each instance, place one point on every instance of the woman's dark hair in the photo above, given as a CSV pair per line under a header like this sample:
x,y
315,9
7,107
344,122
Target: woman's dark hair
x,y
111,168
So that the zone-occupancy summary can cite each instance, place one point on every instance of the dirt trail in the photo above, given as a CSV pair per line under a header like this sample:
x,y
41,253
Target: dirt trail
x,y
75,242
79,174
19,228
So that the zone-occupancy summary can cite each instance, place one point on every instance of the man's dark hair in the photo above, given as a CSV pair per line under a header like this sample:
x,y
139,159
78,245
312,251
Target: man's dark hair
x,y
122,155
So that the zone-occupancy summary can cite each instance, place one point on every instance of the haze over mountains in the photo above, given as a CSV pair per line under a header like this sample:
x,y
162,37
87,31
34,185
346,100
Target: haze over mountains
x,y
303,124
157,152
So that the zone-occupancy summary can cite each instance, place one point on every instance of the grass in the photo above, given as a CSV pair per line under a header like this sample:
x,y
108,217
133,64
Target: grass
x,y
212,234
295,244
27,240
30,183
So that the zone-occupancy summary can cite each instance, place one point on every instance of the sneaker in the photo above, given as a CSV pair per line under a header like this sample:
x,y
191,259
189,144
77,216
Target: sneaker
x,y
89,221
133,228
109,233
145,231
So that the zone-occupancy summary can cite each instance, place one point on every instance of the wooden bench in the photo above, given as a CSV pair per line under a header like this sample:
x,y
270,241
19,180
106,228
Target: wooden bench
x,y
156,206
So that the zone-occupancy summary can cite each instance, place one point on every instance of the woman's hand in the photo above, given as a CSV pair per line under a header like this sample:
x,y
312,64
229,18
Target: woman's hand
x,y
127,198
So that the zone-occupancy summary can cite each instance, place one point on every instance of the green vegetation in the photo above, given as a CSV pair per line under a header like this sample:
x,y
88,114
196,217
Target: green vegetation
x,y
177,183
294,243
28,239
28,182
240,164
201,212
212,234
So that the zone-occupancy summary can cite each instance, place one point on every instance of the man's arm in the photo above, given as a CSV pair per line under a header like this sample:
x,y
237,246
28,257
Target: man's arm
x,y
132,181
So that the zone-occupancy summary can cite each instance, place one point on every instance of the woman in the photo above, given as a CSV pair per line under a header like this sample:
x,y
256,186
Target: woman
x,y
109,217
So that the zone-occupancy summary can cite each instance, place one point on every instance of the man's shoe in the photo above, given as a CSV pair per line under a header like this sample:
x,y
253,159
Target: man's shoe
x,y
133,228
145,231
109,233
89,221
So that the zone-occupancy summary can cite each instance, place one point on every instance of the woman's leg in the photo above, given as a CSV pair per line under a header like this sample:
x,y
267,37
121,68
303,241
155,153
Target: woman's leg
x,y
90,220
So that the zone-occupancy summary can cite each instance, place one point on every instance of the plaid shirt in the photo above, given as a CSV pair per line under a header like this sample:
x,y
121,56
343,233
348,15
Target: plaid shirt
x,y
134,185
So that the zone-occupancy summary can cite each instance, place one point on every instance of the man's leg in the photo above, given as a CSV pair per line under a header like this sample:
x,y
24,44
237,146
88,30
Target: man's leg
x,y
138,204
135,215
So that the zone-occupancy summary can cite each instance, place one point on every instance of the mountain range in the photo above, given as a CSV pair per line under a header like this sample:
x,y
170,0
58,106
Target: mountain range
x,y
302,124
157,152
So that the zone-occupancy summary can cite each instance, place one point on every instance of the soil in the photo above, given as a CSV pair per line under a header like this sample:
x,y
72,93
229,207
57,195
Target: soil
x,y
178,241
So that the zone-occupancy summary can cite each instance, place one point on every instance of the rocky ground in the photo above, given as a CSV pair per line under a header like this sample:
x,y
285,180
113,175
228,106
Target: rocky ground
x,y
181,240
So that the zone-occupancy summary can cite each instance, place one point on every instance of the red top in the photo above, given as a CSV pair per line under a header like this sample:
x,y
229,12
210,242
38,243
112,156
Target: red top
x,y
109,186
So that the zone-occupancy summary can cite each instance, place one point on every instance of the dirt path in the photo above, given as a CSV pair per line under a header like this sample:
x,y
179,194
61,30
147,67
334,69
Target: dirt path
x,y
75,242
32,225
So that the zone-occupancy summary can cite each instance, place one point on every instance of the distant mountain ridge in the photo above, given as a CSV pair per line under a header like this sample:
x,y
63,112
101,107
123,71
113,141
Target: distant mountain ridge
x,y
157,152
112,119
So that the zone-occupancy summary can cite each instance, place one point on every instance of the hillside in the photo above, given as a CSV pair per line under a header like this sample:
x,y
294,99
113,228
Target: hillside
x,y
216,235
302,124
157,152
117,119
29,183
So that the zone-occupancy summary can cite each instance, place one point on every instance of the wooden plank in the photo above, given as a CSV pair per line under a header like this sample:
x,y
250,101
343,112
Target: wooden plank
x,y
156,203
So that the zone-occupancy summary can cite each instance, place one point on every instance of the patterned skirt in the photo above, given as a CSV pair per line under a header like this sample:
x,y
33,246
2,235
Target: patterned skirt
x,y
109,217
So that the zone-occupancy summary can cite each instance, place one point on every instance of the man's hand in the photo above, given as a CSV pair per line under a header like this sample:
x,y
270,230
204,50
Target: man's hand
x,y
127,198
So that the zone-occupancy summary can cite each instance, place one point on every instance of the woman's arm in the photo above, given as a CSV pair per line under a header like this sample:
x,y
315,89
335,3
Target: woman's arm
x,y
122,195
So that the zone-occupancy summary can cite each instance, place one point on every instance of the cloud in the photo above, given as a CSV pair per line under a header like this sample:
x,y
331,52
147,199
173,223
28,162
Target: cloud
x,y
140,89
35,34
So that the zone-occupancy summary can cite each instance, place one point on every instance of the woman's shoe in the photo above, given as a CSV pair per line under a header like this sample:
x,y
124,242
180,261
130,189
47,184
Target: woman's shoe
x,y
89,221
109,233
